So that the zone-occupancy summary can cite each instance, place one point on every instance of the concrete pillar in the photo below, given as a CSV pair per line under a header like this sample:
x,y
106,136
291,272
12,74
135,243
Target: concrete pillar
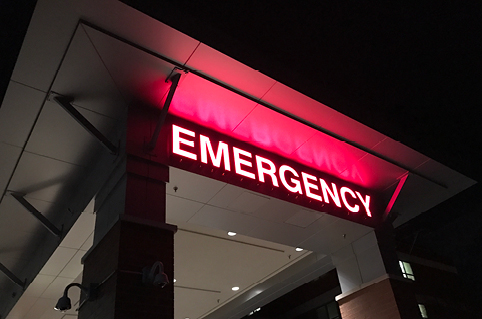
x,y
371,281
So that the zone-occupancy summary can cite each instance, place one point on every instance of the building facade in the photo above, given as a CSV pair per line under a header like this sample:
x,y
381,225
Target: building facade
x,y
114,118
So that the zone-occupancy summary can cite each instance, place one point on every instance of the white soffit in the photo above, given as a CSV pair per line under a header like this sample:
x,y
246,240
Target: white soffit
x,y
223,207
45,184
20,107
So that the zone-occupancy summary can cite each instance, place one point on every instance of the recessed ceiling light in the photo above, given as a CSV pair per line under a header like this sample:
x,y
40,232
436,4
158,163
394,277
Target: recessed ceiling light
x,y
235,288
231,233
298,249
255,310
174,280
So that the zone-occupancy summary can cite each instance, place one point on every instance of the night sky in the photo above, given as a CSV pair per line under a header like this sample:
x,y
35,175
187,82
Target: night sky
x,y
409,69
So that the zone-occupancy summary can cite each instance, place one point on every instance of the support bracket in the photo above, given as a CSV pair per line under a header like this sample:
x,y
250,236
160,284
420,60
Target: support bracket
x,y
65,103
12,276
41,218
394,197
162,117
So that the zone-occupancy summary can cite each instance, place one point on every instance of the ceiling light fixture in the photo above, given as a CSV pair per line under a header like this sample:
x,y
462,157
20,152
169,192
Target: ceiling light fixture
x,y
298,249
235,288
255,310
231,233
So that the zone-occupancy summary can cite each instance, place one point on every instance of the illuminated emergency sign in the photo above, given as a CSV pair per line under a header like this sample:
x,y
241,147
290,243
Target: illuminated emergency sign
x,y
200,150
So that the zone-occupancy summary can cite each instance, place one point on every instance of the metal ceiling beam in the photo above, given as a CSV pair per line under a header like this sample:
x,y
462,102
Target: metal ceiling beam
x,y
162,117
12,276
41,218
65,103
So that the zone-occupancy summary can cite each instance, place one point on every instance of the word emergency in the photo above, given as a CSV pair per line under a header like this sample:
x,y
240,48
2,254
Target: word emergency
x,y
185,143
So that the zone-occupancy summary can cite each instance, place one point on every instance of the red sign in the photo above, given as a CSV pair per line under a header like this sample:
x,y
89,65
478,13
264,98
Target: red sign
x,y
200,150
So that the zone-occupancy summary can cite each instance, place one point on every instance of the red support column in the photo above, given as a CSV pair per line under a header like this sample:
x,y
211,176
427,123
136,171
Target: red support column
x,y
138,239
146,189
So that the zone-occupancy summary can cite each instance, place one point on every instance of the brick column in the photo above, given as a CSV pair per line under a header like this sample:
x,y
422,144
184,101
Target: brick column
x,y
385,299
119,257
375,301
131,233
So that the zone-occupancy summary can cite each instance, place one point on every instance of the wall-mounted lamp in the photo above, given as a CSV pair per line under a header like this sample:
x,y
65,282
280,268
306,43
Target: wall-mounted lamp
x,y
150,277
64,302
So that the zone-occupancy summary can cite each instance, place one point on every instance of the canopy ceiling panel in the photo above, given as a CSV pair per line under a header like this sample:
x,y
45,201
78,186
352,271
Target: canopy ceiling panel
x,y
18,218
20,107
337,234
215,264
210,105
334,157
192,186
400,153
227,70
84,77
57,135
303,107
180,209
215,205
275,210
273,131
140,77
8,160
47,184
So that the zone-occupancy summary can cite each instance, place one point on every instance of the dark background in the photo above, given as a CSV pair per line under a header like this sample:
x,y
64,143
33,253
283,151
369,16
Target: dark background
x,y
409,69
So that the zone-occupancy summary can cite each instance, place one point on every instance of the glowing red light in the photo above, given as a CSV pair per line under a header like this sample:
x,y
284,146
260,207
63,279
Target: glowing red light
x,y
221,154
177,140
297,183
307,178
365,202
238,162
327,191
262,170
343,192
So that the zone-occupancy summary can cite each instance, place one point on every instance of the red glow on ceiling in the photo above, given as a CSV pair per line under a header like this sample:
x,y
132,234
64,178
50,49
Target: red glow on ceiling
x,y
212,106
273,131
328,154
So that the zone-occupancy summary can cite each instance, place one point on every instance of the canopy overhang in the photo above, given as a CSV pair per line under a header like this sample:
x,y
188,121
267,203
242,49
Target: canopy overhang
x,y
107,56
